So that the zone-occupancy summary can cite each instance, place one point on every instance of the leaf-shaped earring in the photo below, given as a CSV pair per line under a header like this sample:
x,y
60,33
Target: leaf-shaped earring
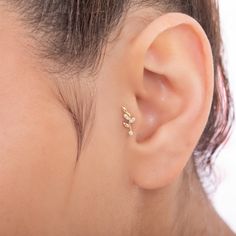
x,y
128,121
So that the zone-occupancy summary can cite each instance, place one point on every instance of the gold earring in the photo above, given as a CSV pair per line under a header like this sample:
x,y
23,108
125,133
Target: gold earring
x,y
129,120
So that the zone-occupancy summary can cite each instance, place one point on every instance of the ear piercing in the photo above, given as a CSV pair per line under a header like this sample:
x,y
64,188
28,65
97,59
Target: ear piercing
x,y
129,120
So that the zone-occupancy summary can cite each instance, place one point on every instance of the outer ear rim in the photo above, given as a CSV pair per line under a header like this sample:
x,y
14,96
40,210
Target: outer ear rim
x,y
174,20
171,20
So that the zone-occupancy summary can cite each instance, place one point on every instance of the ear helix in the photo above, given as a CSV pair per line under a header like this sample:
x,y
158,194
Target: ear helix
x,y
129,120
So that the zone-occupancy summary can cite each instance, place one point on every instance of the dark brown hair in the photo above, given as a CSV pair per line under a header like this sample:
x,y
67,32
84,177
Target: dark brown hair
x,y
75,32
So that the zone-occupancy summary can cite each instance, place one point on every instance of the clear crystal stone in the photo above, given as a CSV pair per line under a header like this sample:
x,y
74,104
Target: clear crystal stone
x,y
131,133
126,125
132,120
126,117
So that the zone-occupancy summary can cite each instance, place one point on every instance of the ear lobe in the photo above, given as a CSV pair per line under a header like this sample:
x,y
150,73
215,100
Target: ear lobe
x,y
175,102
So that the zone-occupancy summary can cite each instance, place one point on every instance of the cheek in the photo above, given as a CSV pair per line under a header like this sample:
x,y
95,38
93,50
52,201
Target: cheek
x,y
99,192
37,157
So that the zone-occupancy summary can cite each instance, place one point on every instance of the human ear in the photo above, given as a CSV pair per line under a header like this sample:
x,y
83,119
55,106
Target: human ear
x,y
172,79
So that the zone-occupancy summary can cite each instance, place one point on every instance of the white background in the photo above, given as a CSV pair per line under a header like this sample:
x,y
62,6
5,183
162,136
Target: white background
x,y
224,198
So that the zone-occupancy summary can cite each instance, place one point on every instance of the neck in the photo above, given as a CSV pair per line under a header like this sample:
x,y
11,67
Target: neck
x,y
182,209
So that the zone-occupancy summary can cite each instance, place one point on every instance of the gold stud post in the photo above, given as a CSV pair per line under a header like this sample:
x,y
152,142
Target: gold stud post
x,y
128,120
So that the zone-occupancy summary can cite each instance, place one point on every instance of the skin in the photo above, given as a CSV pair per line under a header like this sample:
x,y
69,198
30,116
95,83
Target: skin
x,y
161,69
